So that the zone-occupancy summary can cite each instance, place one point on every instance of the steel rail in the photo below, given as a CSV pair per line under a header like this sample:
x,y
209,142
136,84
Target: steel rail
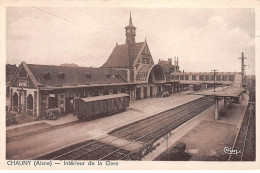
x,y
244,144
230,158
149,119
127,135
168,116
186,118
148,133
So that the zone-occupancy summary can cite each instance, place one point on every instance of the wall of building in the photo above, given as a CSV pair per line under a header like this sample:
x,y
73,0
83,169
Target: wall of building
x,y
225,78
23,94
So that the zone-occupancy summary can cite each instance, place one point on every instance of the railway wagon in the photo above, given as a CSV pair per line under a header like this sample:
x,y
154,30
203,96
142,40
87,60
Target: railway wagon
x,y
94,107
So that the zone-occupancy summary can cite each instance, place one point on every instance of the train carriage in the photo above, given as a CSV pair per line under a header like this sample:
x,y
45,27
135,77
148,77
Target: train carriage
x,y
94,107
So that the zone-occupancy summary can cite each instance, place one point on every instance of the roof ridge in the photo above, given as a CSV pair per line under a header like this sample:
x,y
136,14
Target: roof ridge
x,y
63,66
133,43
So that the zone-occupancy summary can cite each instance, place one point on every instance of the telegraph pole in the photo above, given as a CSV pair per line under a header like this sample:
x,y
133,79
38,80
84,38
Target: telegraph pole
x,y
215,72
243,67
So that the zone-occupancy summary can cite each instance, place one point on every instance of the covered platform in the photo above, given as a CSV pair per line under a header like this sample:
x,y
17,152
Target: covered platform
x,y
228,93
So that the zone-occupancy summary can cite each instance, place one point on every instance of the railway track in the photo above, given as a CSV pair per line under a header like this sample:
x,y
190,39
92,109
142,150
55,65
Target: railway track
x,y
142,127
245,141
146,131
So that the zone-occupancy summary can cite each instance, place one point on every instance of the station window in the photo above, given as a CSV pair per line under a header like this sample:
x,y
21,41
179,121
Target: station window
x,y
231,77
15,99
186,77
30,102
182,77
224,78
177,77
82,94
105,92
218,78
201,77
53,101
95,93
212,77
115,91
123,90
207,78
145,60
193,77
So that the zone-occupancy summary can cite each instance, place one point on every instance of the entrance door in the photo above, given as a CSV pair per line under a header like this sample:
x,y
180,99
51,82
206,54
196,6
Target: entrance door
x,y
43,108
151,91
138,93
69,104
145,92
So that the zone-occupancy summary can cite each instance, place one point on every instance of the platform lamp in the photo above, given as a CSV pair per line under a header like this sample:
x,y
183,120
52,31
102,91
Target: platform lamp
x,y
215,72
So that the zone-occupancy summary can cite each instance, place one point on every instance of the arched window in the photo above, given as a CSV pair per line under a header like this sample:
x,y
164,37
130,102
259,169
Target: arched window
x,y
123,90
105,92
115,91
30,102
53,101
82,93
15,99
95,93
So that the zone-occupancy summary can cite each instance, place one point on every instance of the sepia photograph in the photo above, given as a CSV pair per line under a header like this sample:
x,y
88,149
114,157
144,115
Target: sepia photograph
x,y
101,85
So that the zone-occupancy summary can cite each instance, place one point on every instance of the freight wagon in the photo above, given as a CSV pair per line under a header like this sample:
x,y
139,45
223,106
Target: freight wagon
x,y
94,107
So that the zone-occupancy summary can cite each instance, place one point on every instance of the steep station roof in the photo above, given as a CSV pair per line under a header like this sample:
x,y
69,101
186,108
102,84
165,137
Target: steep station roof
x,y
49,75
120,58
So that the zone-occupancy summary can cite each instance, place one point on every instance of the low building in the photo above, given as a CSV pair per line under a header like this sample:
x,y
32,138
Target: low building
x,y
200,80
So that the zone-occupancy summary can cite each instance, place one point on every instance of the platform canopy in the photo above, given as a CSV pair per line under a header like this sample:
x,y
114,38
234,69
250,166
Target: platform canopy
x,y
229,91
190,82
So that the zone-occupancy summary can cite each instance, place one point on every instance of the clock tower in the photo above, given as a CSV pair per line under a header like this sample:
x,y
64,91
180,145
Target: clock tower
x,y
130,32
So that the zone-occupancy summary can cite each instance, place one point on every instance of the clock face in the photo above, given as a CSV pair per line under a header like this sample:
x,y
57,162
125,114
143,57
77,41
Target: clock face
x,y
128,31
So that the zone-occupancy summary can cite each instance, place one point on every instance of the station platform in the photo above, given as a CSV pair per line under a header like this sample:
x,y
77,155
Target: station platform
x,y
38,144
206,137
227,91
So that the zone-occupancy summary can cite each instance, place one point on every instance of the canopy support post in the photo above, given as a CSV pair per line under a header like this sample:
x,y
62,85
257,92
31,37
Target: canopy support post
x,y
225,104
216,109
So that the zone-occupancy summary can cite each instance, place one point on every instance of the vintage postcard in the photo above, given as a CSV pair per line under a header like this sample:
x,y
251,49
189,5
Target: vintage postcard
x,y
129,85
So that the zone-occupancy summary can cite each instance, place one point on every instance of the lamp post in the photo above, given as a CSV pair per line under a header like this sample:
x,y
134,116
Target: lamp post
x,y
214,71
243,67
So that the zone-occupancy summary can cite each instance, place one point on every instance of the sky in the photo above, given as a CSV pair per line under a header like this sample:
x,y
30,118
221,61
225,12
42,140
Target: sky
x,y
203,39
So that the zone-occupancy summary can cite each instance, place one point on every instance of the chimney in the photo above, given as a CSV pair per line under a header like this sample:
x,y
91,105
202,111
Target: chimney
x,y
177,61
169,61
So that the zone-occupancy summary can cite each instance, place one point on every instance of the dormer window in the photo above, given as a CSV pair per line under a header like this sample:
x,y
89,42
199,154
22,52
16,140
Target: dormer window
x,y
116,75
88,74
61,75
47,75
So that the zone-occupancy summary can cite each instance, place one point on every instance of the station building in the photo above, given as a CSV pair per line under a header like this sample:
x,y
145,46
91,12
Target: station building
x,y
40,89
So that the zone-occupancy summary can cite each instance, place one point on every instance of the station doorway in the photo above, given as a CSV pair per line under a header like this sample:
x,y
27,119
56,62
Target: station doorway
x,y
69,104
151,91
138,93
145,92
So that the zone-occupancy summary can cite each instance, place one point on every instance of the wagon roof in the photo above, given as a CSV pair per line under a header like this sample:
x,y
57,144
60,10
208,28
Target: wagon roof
x,y
91,99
